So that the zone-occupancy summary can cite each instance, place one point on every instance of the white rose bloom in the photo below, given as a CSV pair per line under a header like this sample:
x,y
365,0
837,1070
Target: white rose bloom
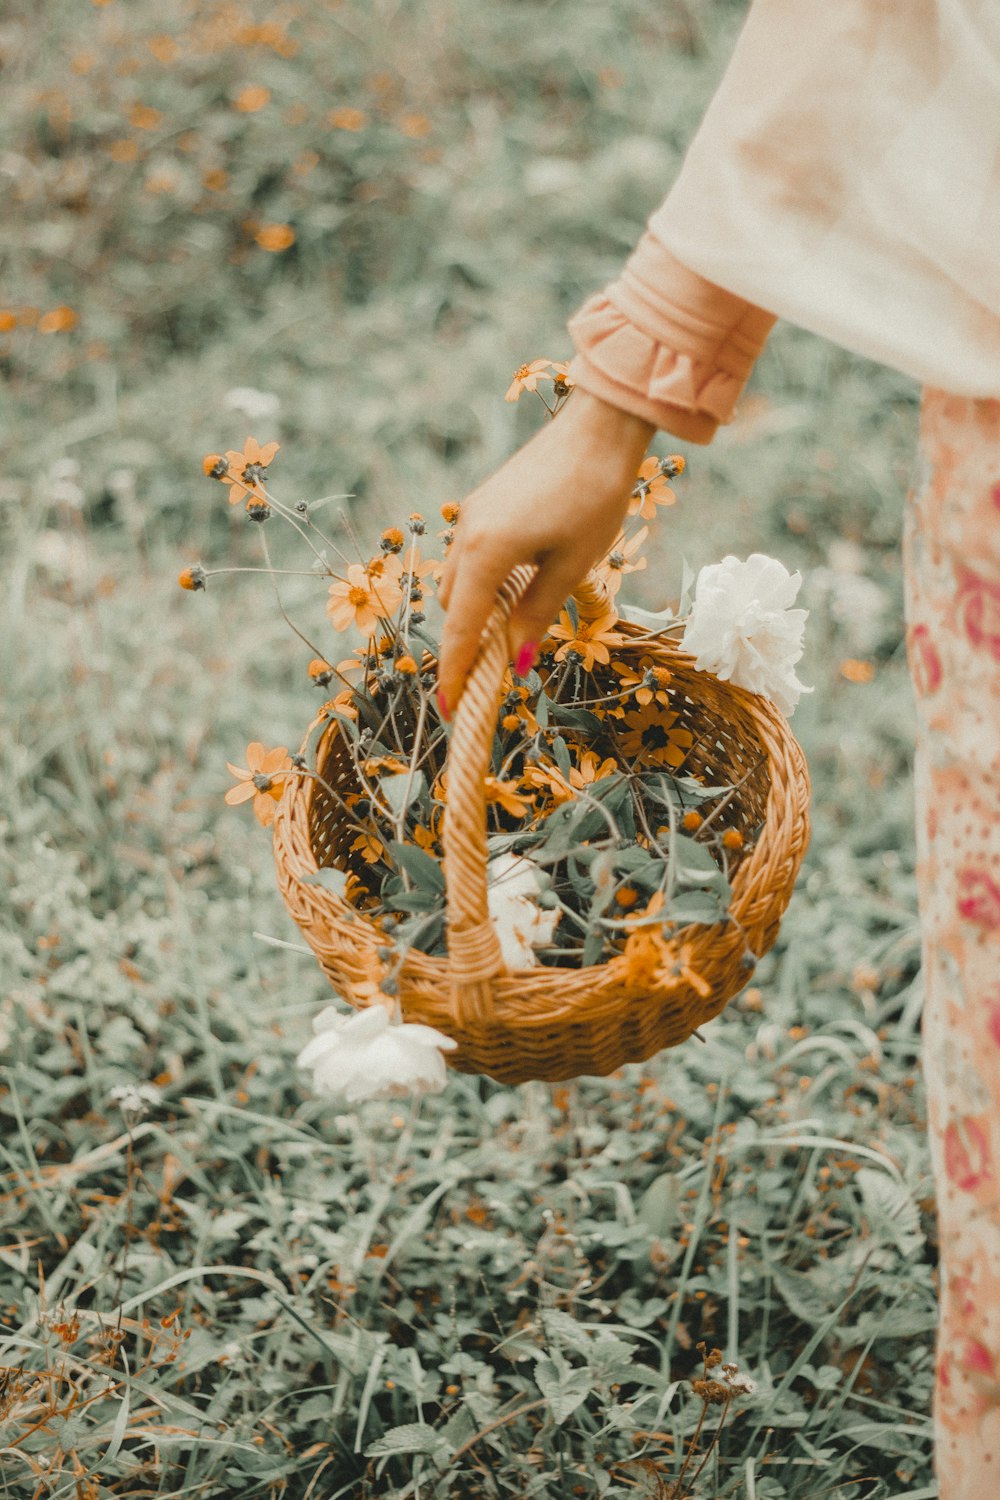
x,y
366,1055
513,885
742,628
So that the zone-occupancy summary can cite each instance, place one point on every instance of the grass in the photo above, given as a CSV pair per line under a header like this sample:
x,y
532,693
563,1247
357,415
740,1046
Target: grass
x,y
226,1287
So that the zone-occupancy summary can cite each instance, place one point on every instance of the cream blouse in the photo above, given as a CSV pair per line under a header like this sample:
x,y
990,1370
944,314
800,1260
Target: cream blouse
x,y
846,176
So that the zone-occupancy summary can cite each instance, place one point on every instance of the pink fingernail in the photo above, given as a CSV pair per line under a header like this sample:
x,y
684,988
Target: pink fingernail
x,y
443,705
525,657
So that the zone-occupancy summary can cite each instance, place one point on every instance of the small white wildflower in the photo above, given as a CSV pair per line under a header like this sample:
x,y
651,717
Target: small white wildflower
x,y
135,1099
259,406
365,1055
514,884
742,628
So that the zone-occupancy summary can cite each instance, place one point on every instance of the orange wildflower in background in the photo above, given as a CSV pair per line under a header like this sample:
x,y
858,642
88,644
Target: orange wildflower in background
x,y
361,600
347,118
526,378
262,780
144,117
591,640
275,237
58,320
252,98
246,470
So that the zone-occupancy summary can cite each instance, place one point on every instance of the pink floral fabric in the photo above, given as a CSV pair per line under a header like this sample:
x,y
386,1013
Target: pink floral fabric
x,y
951,555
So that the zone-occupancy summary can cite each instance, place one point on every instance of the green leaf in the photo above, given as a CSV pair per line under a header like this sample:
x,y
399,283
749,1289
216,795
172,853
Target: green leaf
x,y
696,906
425,871
694,861
561,752
574,718
562,1386
411,1437
401,789
659,1206
542,710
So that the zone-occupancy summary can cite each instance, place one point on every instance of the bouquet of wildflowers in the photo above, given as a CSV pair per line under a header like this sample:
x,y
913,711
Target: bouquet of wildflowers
x,y
601,839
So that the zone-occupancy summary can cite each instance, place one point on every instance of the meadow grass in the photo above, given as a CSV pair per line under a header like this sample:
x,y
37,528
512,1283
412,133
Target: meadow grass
x,y
342,227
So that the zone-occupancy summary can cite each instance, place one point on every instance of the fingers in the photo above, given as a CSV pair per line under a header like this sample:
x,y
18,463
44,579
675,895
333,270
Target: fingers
x,y
469,592
541,602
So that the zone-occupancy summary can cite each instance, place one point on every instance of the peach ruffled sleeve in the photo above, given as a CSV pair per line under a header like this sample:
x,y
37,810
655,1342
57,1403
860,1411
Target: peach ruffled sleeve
x,y
664,343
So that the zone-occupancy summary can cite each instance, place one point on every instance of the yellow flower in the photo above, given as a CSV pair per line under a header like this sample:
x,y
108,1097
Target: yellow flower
x,y
252,98
262,780
549,779
679,971
246,470
612,569
275,237
515,712
505,793
644,955
591,640
526,378
369,847
347,118
425,839
650,490
651,736
362,600
592,768
635,678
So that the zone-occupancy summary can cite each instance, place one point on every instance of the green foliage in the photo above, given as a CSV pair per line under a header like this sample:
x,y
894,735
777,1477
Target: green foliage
x,y
503,1291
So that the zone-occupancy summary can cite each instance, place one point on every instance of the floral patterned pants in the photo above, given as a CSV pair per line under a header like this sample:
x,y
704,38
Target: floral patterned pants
x,y
951,556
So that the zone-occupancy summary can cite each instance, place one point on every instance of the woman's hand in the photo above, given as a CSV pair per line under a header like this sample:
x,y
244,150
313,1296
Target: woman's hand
x,y
559,501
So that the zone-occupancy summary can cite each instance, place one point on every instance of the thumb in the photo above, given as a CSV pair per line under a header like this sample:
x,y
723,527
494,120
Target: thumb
x,y
540,604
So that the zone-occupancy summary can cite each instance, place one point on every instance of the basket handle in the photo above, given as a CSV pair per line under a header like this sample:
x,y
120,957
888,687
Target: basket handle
x,y
474,955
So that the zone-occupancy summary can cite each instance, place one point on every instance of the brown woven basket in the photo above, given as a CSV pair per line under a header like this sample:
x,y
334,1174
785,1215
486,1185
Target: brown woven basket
x,y
547,1022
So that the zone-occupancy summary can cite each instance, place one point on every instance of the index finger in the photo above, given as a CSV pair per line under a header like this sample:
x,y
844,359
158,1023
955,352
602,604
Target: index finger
x,y
475,581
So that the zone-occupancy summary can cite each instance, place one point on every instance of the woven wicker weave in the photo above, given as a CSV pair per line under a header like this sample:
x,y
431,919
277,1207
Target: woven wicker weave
x,y
550,1022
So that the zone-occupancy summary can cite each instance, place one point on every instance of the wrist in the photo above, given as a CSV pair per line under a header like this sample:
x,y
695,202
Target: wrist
x,y
607,427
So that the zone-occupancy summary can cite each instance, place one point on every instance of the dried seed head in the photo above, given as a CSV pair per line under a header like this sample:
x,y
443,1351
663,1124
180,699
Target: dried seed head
x,y
215,465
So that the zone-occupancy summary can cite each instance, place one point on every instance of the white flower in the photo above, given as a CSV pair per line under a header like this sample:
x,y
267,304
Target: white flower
x,y
134,1099
259,406
513,885
742,628
366,1055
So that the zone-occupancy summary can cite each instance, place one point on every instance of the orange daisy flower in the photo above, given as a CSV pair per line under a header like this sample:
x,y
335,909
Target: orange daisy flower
x,y
612,569
591,640
650,491
262,779
361,599
369,847
592,768
247,470
549,779
678,971
651,736
635,678
505,793
526,378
